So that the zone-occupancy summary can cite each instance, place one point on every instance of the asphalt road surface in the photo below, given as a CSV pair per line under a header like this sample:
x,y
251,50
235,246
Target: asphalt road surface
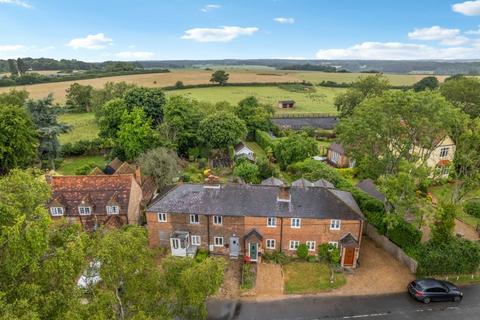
x,y
382,307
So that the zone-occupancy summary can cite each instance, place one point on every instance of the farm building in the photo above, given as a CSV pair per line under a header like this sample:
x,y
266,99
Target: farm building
x,y
286,104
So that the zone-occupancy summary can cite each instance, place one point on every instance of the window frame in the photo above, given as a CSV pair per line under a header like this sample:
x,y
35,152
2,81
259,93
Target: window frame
x,y
333,224
162,217
196,243
293,225
309,242
114,212
216,222
443,150
333,243
445,170
84,209
215,244
296,244
270,241
194,217
56,209
274,225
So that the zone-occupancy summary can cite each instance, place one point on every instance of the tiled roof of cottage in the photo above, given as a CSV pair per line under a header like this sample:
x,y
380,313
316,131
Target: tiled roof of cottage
x,y
125,168
272,181
113,166
96,191
368,186
338,148
96,172
323,184
258,200
302,183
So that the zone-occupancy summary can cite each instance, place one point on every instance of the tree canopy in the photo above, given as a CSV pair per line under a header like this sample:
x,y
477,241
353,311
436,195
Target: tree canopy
x,y
161,164
295,147
383,130
220,77
151,100
79,97
364,87
221,130
256,115
14,97
109,117
426,83
464,93
18,138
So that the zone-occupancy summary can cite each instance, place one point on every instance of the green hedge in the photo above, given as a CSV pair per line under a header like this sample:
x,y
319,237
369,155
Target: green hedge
x,y
264,139
85,147
404,234
456,256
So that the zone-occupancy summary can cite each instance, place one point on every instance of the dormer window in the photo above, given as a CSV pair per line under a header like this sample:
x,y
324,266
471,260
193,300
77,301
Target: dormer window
x,y
56,211
113,209
84,211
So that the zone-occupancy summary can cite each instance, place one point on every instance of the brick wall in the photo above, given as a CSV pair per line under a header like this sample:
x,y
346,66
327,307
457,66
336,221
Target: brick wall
x,y
317,230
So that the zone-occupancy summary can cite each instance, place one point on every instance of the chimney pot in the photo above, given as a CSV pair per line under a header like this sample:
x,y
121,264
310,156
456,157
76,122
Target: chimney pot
x,y
284,194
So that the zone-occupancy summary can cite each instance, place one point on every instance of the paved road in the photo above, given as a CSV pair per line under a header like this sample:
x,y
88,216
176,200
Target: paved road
x,y
384,307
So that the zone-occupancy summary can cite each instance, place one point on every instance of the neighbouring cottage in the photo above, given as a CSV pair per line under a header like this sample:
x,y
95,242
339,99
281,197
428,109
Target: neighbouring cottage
x,y
286,104
247,220
242,150
96,200
439,160
337,157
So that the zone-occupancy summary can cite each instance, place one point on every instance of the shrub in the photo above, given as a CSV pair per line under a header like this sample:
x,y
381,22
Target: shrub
x,y
186,177
85,169
302,251
84,147
404,234
266,169
179,84
472,207
202,163
377,219
276,256
329,253
247,171
201,256
248,276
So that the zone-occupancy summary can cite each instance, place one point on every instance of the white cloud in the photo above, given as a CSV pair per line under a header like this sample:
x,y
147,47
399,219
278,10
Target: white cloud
x,y
11,47
92,41
221,34
473,32
284,20
135,55
433,33
18,3
290,58
210,7
9,51
456,41
468,8
398,51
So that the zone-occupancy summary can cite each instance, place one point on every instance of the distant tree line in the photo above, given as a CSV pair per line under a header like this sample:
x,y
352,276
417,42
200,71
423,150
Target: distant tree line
x,y
313,67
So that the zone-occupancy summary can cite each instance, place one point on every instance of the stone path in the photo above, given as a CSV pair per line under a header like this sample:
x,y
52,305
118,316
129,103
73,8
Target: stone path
x,y
269,280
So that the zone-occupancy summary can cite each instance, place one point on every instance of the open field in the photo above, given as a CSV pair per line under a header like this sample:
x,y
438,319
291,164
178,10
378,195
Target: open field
x,y
83,125
319,101
196,76
70,165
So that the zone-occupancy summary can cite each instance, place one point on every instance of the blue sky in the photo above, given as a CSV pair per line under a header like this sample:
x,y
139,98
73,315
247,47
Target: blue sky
x,y
304,29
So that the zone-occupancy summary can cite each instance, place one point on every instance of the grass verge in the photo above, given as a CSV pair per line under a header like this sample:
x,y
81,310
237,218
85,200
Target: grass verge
x,y
83,126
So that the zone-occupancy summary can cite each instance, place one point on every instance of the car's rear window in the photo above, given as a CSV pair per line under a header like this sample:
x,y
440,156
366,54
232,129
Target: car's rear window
x,y
416,285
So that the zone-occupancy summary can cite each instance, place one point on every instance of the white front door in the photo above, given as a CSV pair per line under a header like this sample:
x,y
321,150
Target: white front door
x,y
234,246
176,247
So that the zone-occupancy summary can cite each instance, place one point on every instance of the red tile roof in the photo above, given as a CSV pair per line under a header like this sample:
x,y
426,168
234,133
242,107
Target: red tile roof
x,y
443,163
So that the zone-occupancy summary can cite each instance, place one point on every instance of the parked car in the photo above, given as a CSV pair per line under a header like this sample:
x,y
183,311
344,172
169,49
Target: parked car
x,y
427,290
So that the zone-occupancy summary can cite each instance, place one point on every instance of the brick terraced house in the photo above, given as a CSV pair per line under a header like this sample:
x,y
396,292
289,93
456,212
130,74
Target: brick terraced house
x,y
247,220
96,200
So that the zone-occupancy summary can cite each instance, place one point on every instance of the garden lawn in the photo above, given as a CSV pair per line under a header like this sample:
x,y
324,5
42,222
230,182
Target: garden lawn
x,y
310,277
320,101
444,193
70,165
83,127
259,152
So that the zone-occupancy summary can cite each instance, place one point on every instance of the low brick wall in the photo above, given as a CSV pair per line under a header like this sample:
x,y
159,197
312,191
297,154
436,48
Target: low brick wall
x,y
390,247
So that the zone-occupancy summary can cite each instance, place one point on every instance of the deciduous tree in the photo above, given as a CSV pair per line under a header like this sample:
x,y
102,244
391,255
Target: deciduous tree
x,y
295,147
151,100
463,93
18,138
79,97
161,164
14,97
220,77
110,117
426,83
221,130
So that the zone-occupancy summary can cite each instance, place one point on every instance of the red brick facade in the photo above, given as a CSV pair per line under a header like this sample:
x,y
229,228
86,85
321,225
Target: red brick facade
x,y
316,230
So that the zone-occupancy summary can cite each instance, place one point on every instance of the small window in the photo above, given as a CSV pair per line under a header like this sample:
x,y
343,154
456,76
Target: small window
x,y
113,210
84,211
335,224
218,241
56,211
162,217
445,171
444,152
218,220
271,222
270,243
296,222
196,240
293,244
311,245
194,218
333,243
